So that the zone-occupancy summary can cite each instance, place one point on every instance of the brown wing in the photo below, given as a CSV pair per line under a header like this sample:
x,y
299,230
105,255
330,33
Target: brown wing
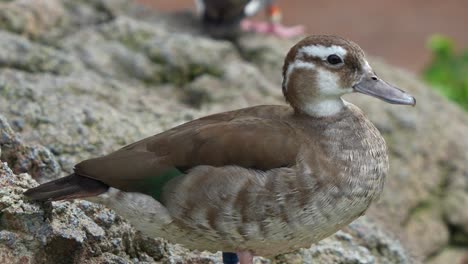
x,y
250,138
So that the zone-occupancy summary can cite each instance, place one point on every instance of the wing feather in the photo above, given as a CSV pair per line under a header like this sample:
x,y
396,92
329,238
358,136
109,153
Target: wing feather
x,y
251,141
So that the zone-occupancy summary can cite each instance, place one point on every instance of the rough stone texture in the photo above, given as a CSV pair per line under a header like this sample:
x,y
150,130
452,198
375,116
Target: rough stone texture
x,y
64,232
35,160
80,78
450,255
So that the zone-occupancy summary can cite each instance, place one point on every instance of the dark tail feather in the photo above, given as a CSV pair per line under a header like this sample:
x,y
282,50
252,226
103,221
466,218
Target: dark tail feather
x,y
70,187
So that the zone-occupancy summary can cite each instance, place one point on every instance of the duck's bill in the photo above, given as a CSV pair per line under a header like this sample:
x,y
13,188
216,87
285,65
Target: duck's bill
x,y
376,87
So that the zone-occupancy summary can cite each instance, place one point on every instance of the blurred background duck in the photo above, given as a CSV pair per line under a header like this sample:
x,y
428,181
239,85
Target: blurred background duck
x,y
225,19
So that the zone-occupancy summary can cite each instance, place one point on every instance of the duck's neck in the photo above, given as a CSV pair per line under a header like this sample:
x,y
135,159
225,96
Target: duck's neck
x,y
322,107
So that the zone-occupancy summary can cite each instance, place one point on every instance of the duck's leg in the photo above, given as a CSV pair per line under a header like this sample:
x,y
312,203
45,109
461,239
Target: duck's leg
x,y
230,258
245,257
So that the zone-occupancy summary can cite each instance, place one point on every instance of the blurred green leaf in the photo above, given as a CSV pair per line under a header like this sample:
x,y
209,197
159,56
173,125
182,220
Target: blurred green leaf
x,y
448,71
441,46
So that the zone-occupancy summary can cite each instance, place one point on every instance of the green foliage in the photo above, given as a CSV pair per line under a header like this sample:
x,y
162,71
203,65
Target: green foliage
x,y
448,71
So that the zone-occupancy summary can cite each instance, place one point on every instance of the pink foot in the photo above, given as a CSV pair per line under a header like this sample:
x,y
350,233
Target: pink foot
x,y
245,257
276,29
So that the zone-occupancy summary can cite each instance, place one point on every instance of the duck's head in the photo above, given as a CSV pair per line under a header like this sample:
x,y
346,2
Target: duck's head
x,y
319,69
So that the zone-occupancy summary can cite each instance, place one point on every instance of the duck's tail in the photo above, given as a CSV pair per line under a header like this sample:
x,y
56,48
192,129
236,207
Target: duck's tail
x,y
70,187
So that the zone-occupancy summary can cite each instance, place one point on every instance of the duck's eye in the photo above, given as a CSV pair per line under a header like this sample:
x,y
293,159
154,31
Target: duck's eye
x,y
334,59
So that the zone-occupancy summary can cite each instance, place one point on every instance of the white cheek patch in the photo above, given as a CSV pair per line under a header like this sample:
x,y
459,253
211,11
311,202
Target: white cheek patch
x,y
252,7
297,64
321,51
328,102
329,83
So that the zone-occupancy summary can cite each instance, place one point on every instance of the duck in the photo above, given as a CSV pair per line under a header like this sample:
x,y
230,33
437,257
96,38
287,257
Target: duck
x,y
257,181
225,19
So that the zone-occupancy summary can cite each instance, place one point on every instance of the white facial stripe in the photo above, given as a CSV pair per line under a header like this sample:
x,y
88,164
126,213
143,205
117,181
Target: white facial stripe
x,y
297,64
321,51
252,7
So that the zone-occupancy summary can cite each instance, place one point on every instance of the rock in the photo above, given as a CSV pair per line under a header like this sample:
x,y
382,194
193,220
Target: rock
x,y
428,159
451,255
60,232
417,231
36,160
80,78
456,215
361,242
20,53
30,18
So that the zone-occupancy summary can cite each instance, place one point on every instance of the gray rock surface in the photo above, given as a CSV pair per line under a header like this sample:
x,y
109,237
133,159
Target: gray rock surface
x,y
80,78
